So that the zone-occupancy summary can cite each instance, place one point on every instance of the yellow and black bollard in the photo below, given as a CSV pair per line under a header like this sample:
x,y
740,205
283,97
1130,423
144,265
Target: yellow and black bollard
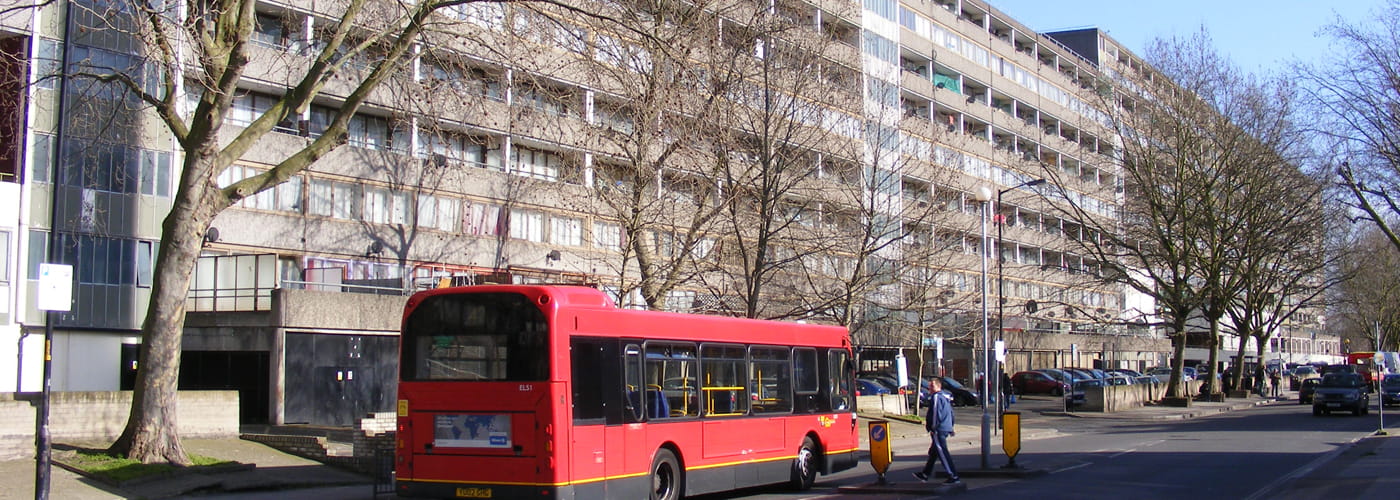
x,y
881,455
1011,437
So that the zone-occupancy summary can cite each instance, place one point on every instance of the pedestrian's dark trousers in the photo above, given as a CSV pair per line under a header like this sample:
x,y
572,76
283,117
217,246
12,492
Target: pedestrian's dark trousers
x,y
938,452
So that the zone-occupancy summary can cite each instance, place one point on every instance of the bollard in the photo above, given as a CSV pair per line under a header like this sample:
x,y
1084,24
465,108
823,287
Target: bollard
x,y
881,455
1011,437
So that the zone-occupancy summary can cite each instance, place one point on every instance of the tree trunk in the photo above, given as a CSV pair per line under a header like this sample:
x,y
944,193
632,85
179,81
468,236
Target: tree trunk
x,y
1237,374
1174,388
1212,382
151,434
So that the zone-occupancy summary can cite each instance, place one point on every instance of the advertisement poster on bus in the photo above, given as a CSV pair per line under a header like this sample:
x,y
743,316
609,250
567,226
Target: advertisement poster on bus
x,y
472,431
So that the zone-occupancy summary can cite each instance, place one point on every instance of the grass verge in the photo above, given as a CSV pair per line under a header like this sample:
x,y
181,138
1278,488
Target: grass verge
x,y
117,470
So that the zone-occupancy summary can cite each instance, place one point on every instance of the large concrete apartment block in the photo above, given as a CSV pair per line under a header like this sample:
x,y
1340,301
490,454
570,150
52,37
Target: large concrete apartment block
x,y
496,177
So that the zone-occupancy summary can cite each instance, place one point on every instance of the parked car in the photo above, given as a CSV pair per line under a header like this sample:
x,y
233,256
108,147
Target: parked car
x,y
1119,380
1301,373
1036,382
1079,375
1306,390
1341,391
1390,390
1149,379
869,387
962,395
1125,371
1055,374
889,382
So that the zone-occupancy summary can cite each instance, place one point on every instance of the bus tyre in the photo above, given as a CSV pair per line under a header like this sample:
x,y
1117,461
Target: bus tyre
x,y
665,476
804,466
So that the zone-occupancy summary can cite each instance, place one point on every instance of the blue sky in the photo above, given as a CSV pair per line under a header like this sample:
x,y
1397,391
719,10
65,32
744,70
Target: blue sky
x,y
1258,35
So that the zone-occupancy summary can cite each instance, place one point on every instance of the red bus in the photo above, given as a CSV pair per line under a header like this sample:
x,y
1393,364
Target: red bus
x,y
512,391
1361,362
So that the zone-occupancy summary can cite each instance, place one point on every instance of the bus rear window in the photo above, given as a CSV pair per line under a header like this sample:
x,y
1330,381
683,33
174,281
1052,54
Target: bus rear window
x,y
475,336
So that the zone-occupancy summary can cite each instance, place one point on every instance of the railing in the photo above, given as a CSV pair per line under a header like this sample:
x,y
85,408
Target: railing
x,y
225,283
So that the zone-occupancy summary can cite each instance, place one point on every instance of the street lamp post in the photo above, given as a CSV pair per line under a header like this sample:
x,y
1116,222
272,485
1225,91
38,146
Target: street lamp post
x,y
984,195
1001,294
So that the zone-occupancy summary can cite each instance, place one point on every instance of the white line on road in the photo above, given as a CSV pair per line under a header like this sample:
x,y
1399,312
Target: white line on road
x,y
1070,468
1143,445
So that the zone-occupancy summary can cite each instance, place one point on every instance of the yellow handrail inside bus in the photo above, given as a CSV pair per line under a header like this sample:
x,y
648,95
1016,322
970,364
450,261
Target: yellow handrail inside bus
x,y
710,400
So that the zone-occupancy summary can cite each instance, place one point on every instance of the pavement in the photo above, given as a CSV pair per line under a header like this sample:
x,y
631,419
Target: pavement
x,y
1368,464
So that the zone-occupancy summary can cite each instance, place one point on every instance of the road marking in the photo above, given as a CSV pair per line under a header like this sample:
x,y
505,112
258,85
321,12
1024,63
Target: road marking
x,y
1070,468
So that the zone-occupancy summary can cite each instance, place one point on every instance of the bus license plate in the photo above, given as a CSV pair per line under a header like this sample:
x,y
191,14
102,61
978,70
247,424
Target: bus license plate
x,y
473,492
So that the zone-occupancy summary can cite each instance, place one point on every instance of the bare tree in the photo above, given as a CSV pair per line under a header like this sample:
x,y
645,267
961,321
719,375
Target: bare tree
x,y
778,131
656,188
1367,302
206,51
1184,158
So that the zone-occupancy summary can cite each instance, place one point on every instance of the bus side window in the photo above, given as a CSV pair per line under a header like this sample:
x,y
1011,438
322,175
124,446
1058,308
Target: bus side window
x,y
806,380
632,380
671,369
587,357
839,376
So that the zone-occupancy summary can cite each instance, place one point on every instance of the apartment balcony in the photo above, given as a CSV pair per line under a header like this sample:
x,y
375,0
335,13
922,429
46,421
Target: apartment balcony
x,y
242,283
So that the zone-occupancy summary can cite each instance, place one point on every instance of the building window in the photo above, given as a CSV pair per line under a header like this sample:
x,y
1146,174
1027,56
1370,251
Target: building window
x,y
607,236
289,195
145,263
455,146
106,261
481,219
4,256
38,252
541,165
334,199
385,206
43,160
491,16
369,132
155,173
566,231
436,212
527,225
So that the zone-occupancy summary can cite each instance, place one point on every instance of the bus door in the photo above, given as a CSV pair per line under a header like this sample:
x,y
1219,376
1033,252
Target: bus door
x,y
626,439
609,408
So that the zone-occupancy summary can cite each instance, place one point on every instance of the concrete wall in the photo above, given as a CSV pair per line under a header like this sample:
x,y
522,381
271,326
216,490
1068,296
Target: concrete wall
x,y
883,403
312,310
98,417
1126,397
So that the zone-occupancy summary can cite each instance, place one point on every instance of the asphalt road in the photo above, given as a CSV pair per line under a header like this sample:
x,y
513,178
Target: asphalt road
x,y
1234,455
1237,455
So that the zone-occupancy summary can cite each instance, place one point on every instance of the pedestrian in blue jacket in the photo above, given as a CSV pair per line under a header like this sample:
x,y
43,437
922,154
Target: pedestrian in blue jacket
x,y
939,423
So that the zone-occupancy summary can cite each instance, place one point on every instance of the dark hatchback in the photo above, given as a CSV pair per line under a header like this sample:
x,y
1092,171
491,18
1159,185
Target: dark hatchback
x,y
1390,390
1342,392
1307,389
962,395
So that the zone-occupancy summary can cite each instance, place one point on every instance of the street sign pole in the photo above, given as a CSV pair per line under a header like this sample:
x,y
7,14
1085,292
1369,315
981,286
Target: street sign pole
x,y
55,294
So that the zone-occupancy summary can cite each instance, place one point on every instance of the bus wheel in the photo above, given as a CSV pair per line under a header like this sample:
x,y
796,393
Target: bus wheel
x,y
804,466
665,476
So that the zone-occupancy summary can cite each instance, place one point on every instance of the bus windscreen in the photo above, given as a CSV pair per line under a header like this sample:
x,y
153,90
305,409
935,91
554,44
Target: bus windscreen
x,y
480,337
